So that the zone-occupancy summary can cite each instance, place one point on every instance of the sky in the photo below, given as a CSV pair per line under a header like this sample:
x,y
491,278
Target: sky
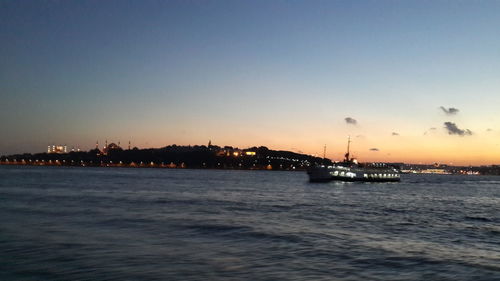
x,y
408,81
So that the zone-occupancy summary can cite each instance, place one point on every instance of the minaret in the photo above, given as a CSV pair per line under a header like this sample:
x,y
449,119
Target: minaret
x,y
128,145
106,144
97,144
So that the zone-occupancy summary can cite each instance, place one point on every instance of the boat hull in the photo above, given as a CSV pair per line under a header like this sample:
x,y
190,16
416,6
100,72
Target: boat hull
x,y
350,174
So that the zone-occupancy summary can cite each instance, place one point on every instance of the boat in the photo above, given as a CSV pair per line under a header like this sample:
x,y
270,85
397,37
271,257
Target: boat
x,y
350,170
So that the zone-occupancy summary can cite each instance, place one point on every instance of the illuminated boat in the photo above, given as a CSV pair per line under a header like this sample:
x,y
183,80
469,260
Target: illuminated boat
x,y
350,170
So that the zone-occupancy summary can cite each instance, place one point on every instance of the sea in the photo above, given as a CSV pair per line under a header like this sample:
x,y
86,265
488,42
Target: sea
x,y
68,223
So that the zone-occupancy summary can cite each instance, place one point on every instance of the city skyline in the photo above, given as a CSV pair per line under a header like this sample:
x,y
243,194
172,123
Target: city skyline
x,y
412,81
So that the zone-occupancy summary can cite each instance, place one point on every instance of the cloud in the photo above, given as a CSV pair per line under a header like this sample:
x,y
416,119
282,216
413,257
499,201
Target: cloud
x,y
374,149
430,130
350,121
489,130
395,134
449,111
454,130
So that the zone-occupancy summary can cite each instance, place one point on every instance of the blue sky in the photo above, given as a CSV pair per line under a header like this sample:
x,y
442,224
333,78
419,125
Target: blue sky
x,y
279,73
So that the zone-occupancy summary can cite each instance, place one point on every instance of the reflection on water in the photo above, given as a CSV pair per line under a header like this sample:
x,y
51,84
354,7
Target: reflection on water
x,y
150,224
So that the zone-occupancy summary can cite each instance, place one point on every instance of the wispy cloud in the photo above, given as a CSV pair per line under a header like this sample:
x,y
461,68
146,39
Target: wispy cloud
x,y
454,130
395,134
449,111
430,130
374,149
489,130
350,121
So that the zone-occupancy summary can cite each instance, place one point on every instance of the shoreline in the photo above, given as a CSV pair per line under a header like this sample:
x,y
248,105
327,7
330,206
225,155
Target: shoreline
x,y
165,166
140,166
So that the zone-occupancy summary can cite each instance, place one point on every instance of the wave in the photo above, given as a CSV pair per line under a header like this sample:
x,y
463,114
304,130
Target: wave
x,y
241,233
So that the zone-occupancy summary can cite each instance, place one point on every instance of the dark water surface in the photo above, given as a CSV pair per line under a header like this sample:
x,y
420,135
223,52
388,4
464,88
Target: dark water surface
x,y
159,224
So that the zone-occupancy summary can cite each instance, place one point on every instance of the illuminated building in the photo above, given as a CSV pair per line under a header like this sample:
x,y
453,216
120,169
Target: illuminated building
x,y
57,149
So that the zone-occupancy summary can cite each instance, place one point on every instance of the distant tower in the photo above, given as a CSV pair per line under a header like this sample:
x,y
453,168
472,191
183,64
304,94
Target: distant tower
x,y
106,144
347,159
209,143
118,143
128,145
97,144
